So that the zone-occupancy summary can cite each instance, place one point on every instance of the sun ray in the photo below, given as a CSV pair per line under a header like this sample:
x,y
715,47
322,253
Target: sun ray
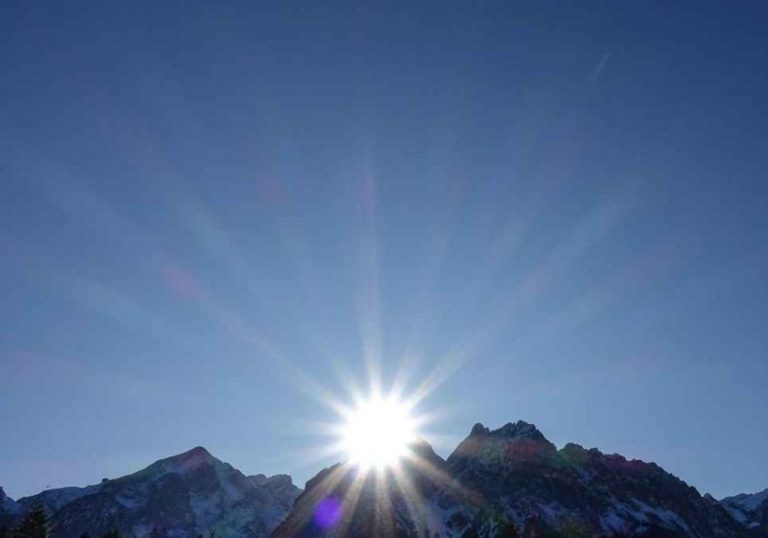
x,y
369,308
440,478
414,502
383,504
350,500
435,378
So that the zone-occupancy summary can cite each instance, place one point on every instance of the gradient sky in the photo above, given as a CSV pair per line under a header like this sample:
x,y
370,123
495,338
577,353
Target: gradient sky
x,y
206,209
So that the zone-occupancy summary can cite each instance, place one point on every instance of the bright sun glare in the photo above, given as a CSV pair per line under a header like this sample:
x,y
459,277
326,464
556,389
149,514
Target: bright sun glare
x,y
378,432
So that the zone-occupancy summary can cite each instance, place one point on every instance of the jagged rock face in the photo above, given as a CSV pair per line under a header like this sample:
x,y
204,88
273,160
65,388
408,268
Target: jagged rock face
x,y
185,495
505,483
751,510
582,490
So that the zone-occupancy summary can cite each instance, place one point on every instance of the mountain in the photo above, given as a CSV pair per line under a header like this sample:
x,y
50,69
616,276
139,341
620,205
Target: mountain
x,y
751,510
507,482
10,511
184,495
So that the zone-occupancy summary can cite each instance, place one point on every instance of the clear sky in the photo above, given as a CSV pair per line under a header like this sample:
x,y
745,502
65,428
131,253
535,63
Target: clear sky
x,y
206,209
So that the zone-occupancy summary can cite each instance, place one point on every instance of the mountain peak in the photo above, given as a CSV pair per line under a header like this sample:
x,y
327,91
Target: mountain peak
x,y
424,452
515,441
187,461
479,429
187,494
511,430
196,452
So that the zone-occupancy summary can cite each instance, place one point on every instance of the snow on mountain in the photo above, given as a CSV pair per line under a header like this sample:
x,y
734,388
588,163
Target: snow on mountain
x,y
184,495
507,482
751,509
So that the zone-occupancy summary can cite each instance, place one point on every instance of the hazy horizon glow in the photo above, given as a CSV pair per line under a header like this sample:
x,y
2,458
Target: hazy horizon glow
x,y
228,225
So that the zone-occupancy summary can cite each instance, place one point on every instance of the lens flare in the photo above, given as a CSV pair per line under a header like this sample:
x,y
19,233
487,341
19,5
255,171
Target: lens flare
x,y
328,512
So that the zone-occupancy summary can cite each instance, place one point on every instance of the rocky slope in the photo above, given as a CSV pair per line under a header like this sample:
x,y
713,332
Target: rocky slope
x,y
505,483
185,495
751,510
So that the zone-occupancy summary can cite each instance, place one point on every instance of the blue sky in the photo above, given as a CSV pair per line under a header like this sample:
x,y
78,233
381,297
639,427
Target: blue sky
x,y
206,207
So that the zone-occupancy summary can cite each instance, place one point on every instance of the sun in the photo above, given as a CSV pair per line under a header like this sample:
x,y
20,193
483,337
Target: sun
x,y
378,432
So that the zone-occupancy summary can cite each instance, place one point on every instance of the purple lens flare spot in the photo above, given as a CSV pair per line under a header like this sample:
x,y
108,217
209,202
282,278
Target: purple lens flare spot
x,y
328,512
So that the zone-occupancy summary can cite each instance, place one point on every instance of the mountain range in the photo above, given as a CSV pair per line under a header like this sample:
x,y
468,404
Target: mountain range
x,y
189,494
508,482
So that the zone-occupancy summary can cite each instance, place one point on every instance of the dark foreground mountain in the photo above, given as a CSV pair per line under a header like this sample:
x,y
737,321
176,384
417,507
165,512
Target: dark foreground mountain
x,y
508,482
185,495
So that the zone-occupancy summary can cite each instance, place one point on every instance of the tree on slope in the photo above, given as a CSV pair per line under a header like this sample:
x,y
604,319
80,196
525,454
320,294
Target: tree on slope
x,y
34,525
